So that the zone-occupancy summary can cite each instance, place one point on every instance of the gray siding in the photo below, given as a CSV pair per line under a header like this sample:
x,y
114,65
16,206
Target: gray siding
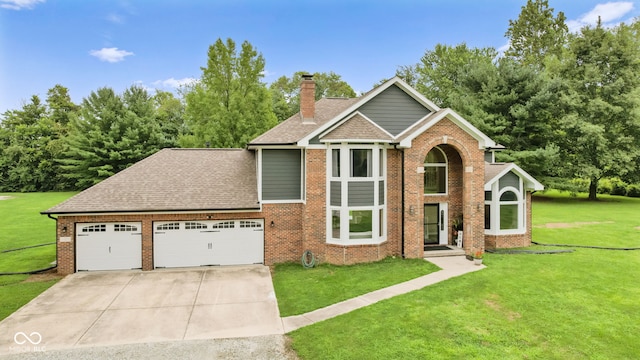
x,y
510,179
361,193
336,193
281,175
381,193
394,110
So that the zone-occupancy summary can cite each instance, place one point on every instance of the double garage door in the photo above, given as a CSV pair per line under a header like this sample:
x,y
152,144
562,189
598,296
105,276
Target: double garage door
x,y
118,246
198,243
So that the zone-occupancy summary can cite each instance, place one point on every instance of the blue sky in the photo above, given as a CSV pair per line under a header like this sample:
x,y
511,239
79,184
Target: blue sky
x,y
85,45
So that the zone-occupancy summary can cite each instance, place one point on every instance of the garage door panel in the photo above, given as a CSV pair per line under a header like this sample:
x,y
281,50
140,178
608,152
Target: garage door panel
x,y
108,246
222,242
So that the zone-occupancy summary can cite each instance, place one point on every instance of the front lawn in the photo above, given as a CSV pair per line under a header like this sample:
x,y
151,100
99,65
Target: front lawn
x,y
22,225
563,306
301,290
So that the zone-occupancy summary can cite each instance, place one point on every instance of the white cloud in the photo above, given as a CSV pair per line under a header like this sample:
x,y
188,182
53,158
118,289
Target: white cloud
x,y
609,13
112,55
19,4
115,18
175,83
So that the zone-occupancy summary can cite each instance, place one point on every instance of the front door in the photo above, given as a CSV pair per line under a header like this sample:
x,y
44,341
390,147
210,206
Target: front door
x,y
435,224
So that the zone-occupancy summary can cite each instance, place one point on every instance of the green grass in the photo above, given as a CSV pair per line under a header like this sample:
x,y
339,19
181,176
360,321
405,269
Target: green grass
x,y
22,225
301,290
580,305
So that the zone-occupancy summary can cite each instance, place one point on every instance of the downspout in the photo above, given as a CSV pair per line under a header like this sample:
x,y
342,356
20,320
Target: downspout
x,y
395,146
56,219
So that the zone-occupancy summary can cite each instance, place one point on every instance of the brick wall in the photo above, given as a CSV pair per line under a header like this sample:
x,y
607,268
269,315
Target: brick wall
x,y
466,185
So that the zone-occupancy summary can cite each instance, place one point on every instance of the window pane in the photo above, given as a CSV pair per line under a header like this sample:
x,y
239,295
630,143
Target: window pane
x,y
488,195
435,180
335,162
508,217
435,156
361,163
381,165
381,221
360,224
487,216
335,223
508,196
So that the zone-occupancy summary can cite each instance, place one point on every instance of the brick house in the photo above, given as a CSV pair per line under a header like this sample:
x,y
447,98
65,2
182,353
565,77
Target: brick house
x,y
351,180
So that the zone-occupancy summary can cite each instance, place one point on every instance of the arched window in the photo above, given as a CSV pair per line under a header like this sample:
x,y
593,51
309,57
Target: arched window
x,y
435,172
510,210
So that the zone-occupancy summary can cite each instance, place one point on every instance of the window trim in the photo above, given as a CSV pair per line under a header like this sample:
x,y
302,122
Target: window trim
x,y
377,175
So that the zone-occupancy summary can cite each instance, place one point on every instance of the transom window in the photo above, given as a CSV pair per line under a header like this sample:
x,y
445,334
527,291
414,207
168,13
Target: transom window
x,y
435,172
169,226
250,224
95,228
224,225
194,225
124,227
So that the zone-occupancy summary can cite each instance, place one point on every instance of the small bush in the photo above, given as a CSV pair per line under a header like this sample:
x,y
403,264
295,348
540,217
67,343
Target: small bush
x,y
604,186
618,187
633,190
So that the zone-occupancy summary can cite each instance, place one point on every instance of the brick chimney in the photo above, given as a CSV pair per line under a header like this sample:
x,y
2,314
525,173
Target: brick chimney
x,y
308,98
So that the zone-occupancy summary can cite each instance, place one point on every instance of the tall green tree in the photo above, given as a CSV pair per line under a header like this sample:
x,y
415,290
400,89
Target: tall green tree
x,y
285,91
601,127
30,140
230,105
110,133
536,33
441,70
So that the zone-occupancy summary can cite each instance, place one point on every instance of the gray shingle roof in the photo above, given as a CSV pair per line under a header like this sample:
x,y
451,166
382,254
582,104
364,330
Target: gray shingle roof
x,y
357,128
293,129
491,170
174,180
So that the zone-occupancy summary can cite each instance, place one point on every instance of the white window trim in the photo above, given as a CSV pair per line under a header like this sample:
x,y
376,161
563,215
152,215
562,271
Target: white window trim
x,y
345,178
495,203
446,172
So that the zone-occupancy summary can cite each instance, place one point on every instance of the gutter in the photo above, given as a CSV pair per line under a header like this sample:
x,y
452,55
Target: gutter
x,y
165,211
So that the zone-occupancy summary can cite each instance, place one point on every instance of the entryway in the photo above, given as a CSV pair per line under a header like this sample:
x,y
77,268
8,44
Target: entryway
x,y
435,224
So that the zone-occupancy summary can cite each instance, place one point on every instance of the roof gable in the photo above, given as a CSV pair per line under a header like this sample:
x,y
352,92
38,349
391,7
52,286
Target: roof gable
x,y
394,110
356,128
494,171
406,137
174,180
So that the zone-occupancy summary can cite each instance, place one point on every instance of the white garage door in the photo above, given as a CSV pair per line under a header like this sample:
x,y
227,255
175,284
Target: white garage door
x,y
201,243
108,246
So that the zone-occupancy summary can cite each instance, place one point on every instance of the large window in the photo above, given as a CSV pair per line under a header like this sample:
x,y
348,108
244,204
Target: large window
x,y
361,163
435,172
504,210
356,194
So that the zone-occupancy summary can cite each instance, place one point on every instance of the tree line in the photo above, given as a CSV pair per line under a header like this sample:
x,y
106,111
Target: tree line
x,y
565,105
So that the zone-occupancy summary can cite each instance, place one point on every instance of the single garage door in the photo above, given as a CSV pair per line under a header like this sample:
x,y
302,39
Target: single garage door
x,y
202,243
108,246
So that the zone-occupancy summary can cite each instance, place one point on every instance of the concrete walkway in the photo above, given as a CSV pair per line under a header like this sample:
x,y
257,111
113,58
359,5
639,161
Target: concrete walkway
x,y
451,266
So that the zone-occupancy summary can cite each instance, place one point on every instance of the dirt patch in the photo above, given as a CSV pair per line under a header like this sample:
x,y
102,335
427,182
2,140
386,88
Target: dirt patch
x,y
6,197
571,225
45,276
638,228
493,304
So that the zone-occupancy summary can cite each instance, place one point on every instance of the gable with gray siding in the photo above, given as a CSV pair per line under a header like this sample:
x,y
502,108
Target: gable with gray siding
x,y
281,174
510,179
394,110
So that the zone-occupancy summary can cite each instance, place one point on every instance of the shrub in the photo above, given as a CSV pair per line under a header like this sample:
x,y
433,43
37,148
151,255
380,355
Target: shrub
x,y
618,187
604,186
633,190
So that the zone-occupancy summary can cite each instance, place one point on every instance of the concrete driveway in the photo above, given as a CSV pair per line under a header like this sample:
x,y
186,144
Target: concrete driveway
x,y
126,307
